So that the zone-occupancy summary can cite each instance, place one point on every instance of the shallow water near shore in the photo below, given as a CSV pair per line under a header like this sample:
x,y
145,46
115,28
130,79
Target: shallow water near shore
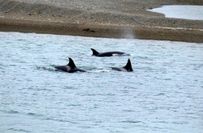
x,y
163,94
193,12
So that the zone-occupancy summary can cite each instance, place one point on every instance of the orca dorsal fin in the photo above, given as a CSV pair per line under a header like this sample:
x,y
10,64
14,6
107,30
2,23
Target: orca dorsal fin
x,y
71,63
94,52
128,66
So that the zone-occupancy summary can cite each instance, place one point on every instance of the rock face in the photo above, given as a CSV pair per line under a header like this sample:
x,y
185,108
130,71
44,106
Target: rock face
x,y
108,18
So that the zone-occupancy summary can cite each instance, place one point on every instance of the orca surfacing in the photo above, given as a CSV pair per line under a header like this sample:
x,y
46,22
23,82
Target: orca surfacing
x,y
107,54
70,67
126,68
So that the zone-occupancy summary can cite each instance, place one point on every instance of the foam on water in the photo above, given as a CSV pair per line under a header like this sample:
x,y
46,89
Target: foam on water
x,y
163,94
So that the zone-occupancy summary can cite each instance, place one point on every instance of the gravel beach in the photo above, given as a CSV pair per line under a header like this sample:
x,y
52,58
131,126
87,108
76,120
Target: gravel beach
x,y
99,18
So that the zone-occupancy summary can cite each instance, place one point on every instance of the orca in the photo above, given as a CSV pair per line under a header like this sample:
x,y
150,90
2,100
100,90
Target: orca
x,y
126,68
70,67
107,54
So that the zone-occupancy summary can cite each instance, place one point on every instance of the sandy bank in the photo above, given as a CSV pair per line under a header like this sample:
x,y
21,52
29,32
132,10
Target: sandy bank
x,y
112,18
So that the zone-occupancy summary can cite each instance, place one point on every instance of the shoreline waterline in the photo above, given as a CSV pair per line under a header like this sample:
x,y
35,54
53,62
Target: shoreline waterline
x,y
111,31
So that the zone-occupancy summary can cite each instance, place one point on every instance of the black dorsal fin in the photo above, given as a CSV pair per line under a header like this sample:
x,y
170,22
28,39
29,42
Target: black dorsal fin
x,y
128,66
71,63
94,52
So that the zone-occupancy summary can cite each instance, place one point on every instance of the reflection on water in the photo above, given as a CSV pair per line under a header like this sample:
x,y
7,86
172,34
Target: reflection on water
x,y
163,94
181,11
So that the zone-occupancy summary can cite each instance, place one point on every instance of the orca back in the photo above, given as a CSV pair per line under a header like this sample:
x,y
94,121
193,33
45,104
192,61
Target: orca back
x,y
61,68
108,54
94,52
71,64
128,66
73,67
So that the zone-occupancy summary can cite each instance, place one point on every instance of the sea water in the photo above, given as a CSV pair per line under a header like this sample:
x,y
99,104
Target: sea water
x,y
192,12
164,93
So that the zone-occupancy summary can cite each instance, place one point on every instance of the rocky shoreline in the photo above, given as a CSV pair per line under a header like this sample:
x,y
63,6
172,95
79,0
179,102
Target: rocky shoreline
x,y
112,18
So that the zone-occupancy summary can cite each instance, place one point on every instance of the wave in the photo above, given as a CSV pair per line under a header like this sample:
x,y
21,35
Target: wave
x,y
52,69
10,111
19,130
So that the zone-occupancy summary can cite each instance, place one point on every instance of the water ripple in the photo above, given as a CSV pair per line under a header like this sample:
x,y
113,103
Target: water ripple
x,y
19,130
10,111
60,120
131,121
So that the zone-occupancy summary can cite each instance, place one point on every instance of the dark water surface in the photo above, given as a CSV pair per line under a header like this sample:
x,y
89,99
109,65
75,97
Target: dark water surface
x,y
164,93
